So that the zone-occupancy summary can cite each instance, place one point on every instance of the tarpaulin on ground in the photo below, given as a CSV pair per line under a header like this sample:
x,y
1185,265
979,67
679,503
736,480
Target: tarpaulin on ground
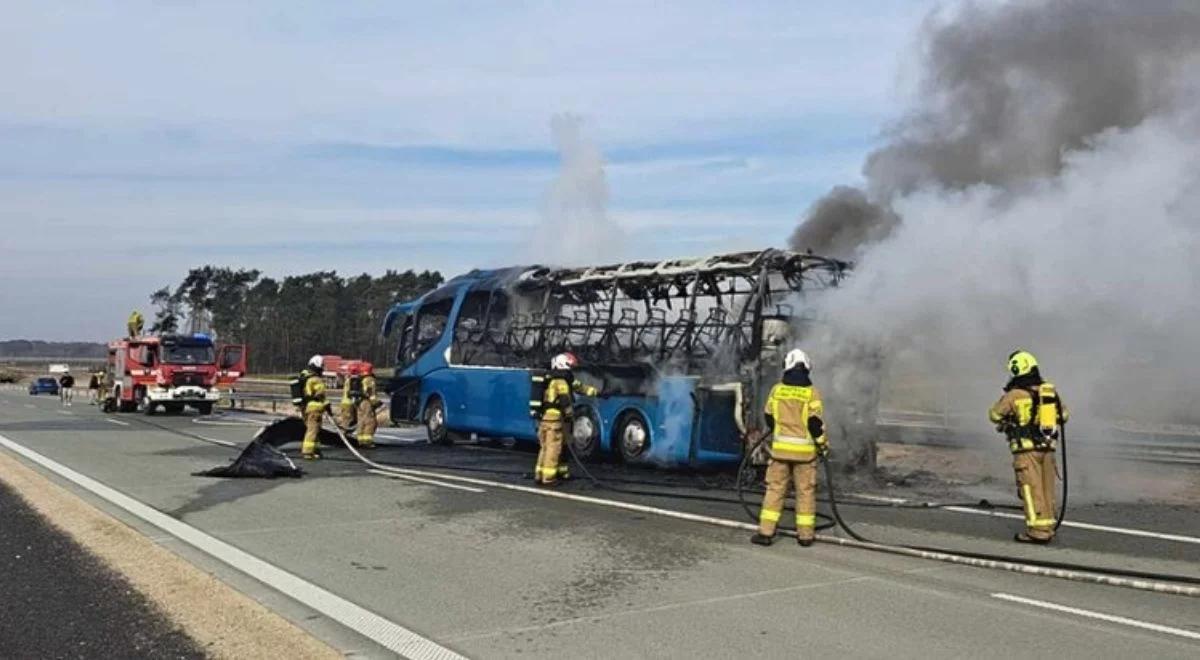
x,y
263,459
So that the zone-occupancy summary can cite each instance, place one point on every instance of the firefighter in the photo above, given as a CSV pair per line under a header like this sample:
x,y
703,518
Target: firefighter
x,y
134,324
349,403
794,412
94,387
314,405
368,401
557,411
1030,414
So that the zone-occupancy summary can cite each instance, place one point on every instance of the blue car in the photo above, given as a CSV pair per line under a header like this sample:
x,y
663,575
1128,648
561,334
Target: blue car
x,y
43,385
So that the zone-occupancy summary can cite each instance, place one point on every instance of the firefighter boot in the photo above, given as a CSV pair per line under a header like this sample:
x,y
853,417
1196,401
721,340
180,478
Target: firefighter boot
x,y
762,539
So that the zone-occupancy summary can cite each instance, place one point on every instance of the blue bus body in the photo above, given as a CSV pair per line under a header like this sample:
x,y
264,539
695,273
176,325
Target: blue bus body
x,y
462,368
492,401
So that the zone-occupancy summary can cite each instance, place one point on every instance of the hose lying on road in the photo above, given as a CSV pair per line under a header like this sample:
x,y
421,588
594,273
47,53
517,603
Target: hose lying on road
x,y
1155,582
985,557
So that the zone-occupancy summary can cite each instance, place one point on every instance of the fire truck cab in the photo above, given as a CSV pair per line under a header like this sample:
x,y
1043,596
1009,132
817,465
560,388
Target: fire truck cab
x,y
171,371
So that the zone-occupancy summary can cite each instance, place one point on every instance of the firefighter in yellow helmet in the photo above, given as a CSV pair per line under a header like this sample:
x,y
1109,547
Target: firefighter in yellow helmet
x,y
556,411
367,401
134,324
313,405
794,412
1031,414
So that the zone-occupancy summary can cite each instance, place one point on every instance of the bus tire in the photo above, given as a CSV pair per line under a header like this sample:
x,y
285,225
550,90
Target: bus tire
x,y
631,436
585,433
435,422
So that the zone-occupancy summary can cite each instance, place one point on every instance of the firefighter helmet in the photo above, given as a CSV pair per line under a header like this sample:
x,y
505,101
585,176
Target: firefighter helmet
x,y
564,362
316,362
796,358
1021,362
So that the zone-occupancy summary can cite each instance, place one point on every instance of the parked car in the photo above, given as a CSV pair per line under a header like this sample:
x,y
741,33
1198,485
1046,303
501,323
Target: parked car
x,y
43,385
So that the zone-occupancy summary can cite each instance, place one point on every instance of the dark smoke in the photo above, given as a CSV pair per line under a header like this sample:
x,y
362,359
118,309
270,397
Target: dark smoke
x,y
1006,92
858,222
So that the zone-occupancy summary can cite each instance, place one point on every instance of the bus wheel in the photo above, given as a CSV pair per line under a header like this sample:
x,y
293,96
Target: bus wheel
x,y
632,437
585,434
435,422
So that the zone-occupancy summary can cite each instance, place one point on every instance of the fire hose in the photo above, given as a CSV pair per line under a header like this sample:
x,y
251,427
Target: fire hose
x,y
986,557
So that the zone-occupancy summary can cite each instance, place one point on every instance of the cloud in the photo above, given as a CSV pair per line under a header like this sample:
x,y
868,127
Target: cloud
x,y
139,139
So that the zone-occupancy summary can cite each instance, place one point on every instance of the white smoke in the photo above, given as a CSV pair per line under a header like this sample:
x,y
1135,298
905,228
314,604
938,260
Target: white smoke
x,y
1094,270
575,228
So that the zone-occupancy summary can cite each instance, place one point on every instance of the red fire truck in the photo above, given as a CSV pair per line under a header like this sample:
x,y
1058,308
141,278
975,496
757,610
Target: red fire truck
x,y
171,371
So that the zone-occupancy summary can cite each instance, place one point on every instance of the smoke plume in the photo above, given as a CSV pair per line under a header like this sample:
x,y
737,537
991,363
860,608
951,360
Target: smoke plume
x,y
1007,93
1043,193
575,228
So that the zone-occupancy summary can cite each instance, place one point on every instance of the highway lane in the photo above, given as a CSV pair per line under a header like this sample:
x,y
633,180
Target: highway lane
x,y
499,574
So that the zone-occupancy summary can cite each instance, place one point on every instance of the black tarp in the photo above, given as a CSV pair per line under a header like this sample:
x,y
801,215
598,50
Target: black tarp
x,y
263,459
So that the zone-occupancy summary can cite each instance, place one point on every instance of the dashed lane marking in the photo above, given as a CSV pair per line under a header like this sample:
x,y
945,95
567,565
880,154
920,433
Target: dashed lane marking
x,y
384,632
1100,616
116,421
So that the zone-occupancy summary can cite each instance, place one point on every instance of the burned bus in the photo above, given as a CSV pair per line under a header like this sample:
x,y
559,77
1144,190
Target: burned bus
x,y
682,350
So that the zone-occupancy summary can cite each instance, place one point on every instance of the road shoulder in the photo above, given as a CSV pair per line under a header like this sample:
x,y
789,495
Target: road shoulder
x,y
225,622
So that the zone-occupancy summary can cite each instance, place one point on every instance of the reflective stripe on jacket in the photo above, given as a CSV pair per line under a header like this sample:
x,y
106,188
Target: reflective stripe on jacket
x,y
558,399
1016,408
314,393
791,406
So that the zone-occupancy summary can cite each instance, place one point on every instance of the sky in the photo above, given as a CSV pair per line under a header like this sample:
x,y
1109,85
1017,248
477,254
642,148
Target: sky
x,y
138,140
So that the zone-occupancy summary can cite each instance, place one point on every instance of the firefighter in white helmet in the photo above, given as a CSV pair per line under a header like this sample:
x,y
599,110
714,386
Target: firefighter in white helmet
x,y
794,413
313,406
556,412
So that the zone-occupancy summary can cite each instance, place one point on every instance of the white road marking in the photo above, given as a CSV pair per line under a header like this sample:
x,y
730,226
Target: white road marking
x,y
1066,523
1082,525
431,482
116,421
30,405
386,633
1168,630
64,412
223,443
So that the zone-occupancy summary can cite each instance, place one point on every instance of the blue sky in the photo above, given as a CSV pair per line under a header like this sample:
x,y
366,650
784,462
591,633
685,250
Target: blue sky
x,y
140,139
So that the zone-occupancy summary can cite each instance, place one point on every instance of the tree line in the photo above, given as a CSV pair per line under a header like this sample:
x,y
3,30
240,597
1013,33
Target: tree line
x,y
285,321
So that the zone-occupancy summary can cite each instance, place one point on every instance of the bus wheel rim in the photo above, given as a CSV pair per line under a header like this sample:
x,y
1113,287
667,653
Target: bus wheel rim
x,y
633,439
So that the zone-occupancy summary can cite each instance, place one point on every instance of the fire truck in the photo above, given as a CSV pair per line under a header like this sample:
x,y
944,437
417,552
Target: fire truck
x,y
170,372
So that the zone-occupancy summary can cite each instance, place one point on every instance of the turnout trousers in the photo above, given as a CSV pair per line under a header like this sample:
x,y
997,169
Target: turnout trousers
x,y
781,474
366,423
1035,472
312,429
551,435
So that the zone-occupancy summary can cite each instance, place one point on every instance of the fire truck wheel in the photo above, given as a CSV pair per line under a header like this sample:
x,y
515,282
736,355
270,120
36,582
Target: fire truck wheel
x,y
205,408
146,405
173,408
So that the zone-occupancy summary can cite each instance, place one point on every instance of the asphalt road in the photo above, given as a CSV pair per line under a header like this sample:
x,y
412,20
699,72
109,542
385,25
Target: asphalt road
x,y
62,602
491,572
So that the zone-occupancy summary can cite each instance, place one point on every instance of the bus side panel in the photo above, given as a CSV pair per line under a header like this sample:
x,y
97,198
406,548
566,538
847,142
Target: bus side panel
x,y
674,416
450,387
